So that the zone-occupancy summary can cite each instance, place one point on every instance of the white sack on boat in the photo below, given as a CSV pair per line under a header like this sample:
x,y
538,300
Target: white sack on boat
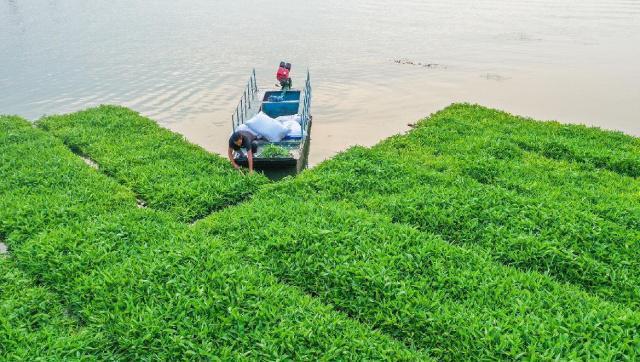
x,y
245,128
293,117
267,127
295,130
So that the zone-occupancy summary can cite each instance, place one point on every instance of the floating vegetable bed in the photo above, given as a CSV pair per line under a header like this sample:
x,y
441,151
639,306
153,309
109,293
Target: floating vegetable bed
x,y
135,284
478,235
164,170
454,302
472,185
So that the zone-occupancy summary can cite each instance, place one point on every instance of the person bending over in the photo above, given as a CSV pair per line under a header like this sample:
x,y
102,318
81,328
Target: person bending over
x,y
242,139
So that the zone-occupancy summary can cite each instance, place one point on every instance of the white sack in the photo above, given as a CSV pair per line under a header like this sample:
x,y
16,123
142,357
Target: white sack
x,y
293,117
294,128
267,127
245,128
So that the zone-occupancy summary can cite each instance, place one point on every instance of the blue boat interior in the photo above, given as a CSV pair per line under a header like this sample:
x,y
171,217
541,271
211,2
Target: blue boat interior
x,y
281,103
279,96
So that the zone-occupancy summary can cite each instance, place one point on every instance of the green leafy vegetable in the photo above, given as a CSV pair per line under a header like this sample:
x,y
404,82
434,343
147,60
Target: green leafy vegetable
x,y
136,283
271,150
476,236
164,170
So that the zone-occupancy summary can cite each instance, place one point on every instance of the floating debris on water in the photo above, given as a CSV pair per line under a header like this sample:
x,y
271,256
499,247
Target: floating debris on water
x,y
406,61
519,36
494,76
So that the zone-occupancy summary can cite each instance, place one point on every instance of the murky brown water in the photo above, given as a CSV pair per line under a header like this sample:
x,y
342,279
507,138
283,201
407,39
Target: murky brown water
x,y
185,63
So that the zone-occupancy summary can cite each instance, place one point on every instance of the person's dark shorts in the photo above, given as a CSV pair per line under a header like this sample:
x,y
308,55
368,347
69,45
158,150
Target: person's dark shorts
x,y
254,147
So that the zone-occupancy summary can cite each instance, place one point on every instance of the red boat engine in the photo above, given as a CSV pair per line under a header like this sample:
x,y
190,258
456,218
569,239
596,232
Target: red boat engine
x,y
283,75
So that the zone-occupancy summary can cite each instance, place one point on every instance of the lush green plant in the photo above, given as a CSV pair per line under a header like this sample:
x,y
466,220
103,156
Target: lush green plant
x,y
33,324
591,147
271,150
455,239
38,177
143,285
163,169
157,290
474,185
451,301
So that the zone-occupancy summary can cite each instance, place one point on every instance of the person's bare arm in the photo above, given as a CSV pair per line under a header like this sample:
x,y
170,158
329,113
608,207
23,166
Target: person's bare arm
x,y
233,162
250,159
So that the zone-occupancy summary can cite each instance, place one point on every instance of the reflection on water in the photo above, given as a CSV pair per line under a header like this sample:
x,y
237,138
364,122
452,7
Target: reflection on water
x,y
185,63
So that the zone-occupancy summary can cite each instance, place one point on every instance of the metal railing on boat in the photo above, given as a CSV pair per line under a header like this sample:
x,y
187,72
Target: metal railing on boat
x,y
248,99
244,109
306,105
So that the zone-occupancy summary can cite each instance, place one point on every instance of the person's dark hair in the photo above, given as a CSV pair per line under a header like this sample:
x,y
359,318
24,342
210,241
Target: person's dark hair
x,y
235,136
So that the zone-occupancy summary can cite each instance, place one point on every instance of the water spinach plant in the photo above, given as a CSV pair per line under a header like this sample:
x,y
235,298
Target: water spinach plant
x,y
454,302
271,150
34,323
136,284
478,235
164,170
461,175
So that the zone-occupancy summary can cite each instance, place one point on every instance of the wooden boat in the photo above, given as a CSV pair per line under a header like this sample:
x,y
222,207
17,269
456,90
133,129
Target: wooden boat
x,y
276,102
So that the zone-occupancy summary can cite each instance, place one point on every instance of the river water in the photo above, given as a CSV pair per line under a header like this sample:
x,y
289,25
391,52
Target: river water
x,y
375,65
